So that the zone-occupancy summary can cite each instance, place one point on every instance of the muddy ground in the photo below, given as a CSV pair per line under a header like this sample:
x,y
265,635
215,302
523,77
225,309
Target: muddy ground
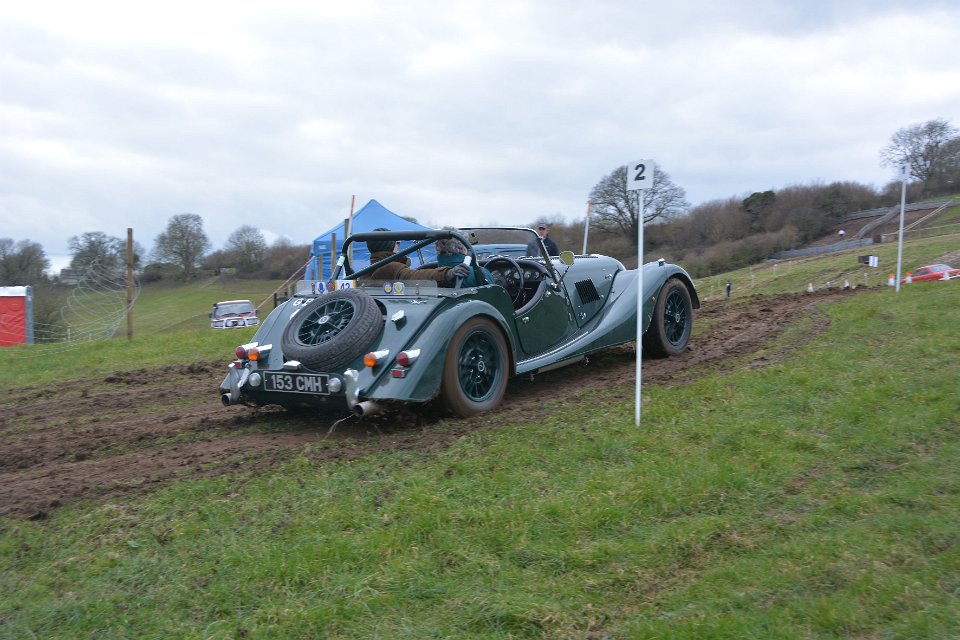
x,y
133,431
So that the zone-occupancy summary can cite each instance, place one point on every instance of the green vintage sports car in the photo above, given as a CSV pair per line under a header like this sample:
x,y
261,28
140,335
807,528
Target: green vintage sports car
x,y
365,344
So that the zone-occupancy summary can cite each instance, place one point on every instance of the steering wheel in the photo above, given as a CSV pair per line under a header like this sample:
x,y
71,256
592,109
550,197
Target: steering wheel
x,y
512,277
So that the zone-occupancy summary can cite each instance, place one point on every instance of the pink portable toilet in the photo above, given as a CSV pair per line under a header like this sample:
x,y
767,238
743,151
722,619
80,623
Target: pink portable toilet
x,y
16,316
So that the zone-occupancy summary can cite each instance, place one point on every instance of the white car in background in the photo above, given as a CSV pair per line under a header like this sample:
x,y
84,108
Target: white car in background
x,y
233,314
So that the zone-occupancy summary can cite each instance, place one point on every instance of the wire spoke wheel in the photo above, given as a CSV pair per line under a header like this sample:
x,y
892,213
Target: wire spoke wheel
x,y
326,322
672,321
475,368
676,318
333,330
478,366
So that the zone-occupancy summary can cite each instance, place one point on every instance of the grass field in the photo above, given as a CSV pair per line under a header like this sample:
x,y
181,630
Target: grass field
x,y
166,308
815,498
830,270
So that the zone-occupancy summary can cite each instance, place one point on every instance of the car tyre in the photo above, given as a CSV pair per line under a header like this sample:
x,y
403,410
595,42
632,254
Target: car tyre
x,y
333,330
672,321
475,369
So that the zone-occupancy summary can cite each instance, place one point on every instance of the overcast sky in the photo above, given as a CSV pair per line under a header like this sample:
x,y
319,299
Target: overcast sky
x,y
123,114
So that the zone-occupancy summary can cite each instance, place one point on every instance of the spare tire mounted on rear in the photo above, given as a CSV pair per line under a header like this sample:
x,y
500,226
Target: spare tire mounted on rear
x,y
333,330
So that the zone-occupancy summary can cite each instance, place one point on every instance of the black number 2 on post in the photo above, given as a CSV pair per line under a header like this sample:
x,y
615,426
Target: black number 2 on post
x,y
641,175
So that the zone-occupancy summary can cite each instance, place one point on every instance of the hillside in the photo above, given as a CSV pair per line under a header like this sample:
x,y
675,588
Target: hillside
x,y
172,307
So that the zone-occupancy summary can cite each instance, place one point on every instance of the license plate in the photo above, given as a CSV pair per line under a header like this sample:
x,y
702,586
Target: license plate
x,y
296,382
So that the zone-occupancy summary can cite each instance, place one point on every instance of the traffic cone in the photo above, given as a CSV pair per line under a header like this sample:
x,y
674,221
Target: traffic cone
x,y
909,279
890,281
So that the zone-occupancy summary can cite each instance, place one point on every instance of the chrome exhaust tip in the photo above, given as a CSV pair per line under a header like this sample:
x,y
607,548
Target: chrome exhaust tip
x,y
366,409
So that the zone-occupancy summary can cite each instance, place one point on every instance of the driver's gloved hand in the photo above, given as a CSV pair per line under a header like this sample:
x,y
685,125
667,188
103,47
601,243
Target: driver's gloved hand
x,y
459,271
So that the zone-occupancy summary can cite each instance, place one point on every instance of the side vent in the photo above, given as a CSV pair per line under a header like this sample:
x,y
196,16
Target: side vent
x,y
587,292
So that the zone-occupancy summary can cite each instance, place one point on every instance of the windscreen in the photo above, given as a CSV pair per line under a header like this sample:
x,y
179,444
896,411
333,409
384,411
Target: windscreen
x,y
503,241
233,309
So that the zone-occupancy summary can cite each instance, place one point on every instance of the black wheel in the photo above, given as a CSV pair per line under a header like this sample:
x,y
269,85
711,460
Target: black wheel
x,y
475,369
508,275
672,321
333,330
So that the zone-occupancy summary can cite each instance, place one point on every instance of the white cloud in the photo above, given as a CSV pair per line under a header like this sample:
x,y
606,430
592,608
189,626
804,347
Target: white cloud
x,y
117,115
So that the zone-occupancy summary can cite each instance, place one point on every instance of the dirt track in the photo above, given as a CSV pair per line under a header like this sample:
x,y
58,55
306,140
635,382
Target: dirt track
x,y
136,430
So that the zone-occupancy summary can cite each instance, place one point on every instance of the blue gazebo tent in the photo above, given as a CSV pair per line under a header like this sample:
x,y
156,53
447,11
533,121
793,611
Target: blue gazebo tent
x,y
371,216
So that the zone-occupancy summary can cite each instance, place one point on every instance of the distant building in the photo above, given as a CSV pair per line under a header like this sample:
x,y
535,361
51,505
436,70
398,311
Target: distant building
x,y
69,276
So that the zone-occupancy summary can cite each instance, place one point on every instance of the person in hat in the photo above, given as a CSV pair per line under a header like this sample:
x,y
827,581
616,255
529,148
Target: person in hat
x,y
400,269
451,252
551,246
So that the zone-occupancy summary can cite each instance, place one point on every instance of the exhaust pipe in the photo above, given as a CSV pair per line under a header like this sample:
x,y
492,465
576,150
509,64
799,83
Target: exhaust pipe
x,y
225,399
366,409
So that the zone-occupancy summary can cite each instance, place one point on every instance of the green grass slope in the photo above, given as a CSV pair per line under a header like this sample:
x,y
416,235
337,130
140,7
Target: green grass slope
x,y
814,498
832,269
173,307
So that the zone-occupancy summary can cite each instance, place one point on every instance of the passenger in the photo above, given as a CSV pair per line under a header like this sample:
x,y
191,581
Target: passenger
x,y
400,269
451,253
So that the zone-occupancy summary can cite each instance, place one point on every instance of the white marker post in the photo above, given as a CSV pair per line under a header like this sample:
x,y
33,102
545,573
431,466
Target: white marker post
x,y
904,172
639,178
586,227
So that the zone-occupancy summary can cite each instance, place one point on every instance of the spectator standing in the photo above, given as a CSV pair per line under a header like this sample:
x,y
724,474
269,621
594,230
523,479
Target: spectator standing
x,y
552,249
729,286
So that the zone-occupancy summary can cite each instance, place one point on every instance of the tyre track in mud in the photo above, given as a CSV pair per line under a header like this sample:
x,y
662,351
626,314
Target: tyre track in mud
x,y
136,430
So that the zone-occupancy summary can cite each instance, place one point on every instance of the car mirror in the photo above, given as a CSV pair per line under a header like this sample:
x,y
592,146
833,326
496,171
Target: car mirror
x,y
566,257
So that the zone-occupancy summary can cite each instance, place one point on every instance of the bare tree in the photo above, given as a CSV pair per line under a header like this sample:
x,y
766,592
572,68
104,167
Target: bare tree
x,y
617,210
951,173
284,259
183,243
96,248
925,148
22,263
248,247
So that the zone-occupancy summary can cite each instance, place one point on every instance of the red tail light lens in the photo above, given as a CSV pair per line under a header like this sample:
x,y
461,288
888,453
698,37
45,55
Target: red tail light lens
x,y
243,351
408,357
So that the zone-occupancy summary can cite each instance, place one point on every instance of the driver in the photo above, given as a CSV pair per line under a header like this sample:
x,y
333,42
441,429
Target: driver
x,y
400,269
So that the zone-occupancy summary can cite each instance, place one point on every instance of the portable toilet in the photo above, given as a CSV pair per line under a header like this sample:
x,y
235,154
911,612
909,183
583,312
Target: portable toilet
x,y
16,316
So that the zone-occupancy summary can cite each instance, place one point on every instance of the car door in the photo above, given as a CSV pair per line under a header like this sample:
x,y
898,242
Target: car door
x,y
546,321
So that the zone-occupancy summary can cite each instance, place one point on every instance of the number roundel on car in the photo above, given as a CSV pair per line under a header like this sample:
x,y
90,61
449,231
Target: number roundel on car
x,y
333,330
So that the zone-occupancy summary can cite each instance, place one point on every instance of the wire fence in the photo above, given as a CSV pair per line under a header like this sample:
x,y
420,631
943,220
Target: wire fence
x,y
94,309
